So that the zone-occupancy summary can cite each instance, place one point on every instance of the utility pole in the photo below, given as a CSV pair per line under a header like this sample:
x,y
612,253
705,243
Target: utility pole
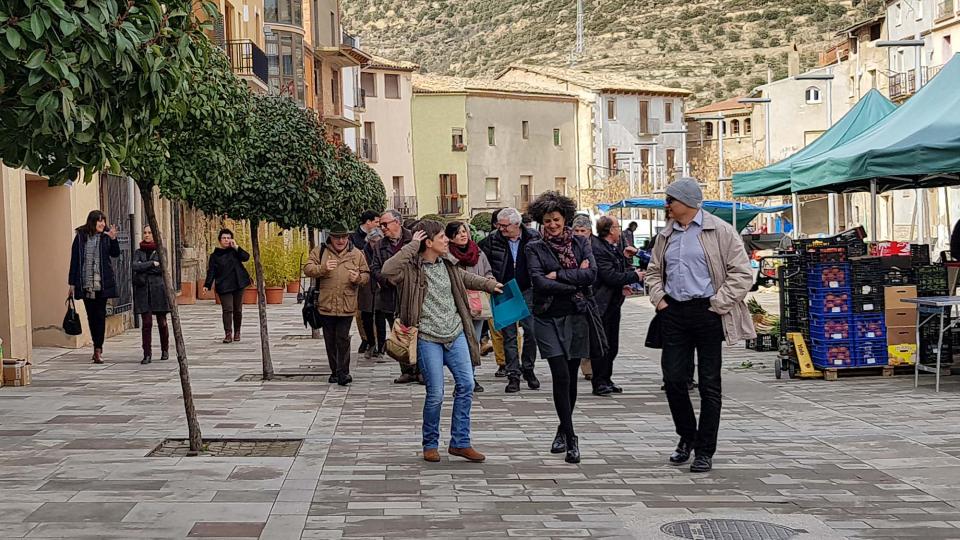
x,y
578,48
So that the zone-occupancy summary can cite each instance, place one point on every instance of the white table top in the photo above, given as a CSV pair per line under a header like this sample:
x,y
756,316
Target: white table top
x,y
934,301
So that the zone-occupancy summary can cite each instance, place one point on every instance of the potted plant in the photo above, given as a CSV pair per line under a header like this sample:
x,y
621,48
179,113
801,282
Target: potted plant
x,y
296,257
275,259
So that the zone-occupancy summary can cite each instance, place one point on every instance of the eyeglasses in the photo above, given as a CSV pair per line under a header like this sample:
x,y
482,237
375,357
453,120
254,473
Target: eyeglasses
x,y
504,225
385,224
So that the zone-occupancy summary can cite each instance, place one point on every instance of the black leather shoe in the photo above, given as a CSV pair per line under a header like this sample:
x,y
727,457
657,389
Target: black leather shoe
x,y
364,346
532,381
559,445
602,391
573,450
501,372
477,389
332,379
702,464
146,360
682,454
691,386
344,380
164,355
615,388
513,386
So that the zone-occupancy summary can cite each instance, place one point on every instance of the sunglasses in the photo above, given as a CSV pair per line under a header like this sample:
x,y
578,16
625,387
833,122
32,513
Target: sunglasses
x,y
384,224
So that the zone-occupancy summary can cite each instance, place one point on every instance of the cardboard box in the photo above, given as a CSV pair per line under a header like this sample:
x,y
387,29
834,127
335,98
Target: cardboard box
x,y
893,297
902,355
901,317
16,372
902,335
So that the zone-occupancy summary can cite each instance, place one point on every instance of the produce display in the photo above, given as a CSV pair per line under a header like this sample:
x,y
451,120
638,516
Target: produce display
x,y
763,321
830,276
839,329
831,302
871,328
833,355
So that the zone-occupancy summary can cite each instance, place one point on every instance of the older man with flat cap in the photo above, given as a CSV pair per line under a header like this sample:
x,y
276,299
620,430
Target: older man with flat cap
x,y
699,276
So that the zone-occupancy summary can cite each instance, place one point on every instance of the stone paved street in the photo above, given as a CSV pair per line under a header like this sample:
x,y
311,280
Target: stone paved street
x,y
864,457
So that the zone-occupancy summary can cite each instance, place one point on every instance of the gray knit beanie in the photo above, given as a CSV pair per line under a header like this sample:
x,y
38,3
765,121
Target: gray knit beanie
x,y
687,191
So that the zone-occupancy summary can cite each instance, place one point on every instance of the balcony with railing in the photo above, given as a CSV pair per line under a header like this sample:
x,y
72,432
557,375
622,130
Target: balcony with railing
x,y
368,150
405,204
350,41
945,10
932,72
248,61
901,85
648,127
450,204
360,100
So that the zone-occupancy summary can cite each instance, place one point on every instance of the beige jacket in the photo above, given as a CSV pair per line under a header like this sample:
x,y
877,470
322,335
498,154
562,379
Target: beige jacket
x,y
729,273
337,292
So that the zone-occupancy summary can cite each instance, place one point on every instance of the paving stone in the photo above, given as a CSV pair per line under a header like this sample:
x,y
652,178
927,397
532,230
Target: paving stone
x,y
80,512
207,529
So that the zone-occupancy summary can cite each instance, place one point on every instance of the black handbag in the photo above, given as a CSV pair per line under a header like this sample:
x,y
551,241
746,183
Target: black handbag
x,y
311,317
655,333
71,321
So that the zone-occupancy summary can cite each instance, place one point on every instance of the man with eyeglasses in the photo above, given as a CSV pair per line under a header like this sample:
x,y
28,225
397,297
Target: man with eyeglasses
x,y
504,248
699,276
394,238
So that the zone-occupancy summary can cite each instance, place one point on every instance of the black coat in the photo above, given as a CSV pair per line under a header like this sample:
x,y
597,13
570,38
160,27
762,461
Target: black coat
x,y
359,238
386,294
955,242
149,293
554,297
613,273
226,270
497,249
78,254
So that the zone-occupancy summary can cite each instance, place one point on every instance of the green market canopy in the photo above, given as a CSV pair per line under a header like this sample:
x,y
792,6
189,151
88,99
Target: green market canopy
x,y
721,209
918,145
776,179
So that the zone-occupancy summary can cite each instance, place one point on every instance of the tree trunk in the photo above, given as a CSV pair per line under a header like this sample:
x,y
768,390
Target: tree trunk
x,y
193,425
261,301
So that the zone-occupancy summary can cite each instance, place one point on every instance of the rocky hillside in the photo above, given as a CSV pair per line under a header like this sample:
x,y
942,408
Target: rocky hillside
x,y
716,48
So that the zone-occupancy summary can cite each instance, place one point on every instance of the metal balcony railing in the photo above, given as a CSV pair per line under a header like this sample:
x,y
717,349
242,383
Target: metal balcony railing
x,y
945,10
459,147
361,99
350,41
405,204
932,72
248,60
450,204
649,127
902,84
368,150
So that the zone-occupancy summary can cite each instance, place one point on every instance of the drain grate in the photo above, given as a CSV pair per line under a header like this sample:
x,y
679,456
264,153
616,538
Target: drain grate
x,y
285,377
729,529
230,448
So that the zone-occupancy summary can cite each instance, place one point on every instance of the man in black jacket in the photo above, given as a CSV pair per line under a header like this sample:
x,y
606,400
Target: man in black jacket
x,y
504,249
385,304
614,277
369,220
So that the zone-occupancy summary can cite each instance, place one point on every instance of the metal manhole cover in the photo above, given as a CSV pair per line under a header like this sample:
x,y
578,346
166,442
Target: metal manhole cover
x,y
284,377
257,448
729,529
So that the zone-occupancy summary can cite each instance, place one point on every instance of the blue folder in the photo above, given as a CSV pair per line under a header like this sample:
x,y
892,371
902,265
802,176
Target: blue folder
x,y
509,307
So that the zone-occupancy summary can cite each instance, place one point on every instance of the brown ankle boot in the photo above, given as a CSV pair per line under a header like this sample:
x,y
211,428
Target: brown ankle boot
x,y
431,454
467,453
236,336
98,356
228,337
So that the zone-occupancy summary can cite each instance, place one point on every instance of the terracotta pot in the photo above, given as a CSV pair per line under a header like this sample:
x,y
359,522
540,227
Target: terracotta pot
x,y
250,295
188,295
275,295
293,287
209,295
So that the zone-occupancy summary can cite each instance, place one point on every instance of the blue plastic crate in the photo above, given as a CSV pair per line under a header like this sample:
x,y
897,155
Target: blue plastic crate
x,y
831,328
831,302
829,276
832,354
870,352
869,326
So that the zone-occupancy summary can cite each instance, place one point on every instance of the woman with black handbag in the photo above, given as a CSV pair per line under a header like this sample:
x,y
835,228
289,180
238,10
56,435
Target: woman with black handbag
x,y
150,296
562,271
91,274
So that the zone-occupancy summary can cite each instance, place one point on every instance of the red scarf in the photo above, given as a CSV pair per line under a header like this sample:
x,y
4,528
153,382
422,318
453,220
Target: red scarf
x,y
148,246
468,255
562,245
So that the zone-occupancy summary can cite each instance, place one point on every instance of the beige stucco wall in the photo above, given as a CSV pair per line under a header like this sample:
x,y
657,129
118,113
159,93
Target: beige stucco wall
x,y
947,27
434,116
14,266
393,132
512,156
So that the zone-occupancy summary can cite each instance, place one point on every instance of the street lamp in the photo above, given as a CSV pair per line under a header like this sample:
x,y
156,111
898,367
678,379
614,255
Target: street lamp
x,y
918,83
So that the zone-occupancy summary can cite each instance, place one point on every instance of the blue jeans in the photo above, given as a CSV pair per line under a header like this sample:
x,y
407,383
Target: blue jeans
x,y
431,357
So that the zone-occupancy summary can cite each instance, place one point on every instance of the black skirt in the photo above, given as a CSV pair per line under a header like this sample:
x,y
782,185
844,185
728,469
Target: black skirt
x,y
567,336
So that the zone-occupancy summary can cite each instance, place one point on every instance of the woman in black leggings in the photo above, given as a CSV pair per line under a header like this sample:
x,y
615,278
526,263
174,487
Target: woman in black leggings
x,y
226,272
562,271
91,274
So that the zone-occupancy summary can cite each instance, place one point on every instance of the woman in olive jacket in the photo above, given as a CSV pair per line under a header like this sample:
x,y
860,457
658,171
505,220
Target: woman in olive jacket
x,y
150,296
226,272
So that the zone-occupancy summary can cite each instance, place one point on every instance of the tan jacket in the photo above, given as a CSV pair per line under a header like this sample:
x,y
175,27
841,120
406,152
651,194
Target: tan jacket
x,y
338,293
405,271
729,273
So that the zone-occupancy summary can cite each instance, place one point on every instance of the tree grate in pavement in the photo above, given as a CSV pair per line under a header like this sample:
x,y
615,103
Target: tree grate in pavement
x,y
728,529
284,377
230,448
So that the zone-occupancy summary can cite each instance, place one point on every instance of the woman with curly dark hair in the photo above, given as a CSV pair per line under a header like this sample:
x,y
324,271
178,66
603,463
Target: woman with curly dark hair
x,y
562,270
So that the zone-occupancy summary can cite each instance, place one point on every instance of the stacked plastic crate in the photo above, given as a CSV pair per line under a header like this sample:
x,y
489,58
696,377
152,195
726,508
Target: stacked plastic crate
x,y
831,323
932,281
869,332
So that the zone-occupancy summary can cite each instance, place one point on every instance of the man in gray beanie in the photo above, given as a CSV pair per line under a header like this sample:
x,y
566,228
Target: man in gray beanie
x,y
698,277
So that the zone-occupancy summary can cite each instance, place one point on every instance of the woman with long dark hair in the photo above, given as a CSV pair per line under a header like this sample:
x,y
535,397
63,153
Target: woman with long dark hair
x,y
91,274
225,271
562,271
150,297
474,261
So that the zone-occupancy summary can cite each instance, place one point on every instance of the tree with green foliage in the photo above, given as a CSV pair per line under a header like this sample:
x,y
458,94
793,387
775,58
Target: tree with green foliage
x,y
98,85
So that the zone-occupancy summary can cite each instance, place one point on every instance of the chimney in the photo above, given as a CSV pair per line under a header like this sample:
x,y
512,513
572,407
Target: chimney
x,y
793,61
